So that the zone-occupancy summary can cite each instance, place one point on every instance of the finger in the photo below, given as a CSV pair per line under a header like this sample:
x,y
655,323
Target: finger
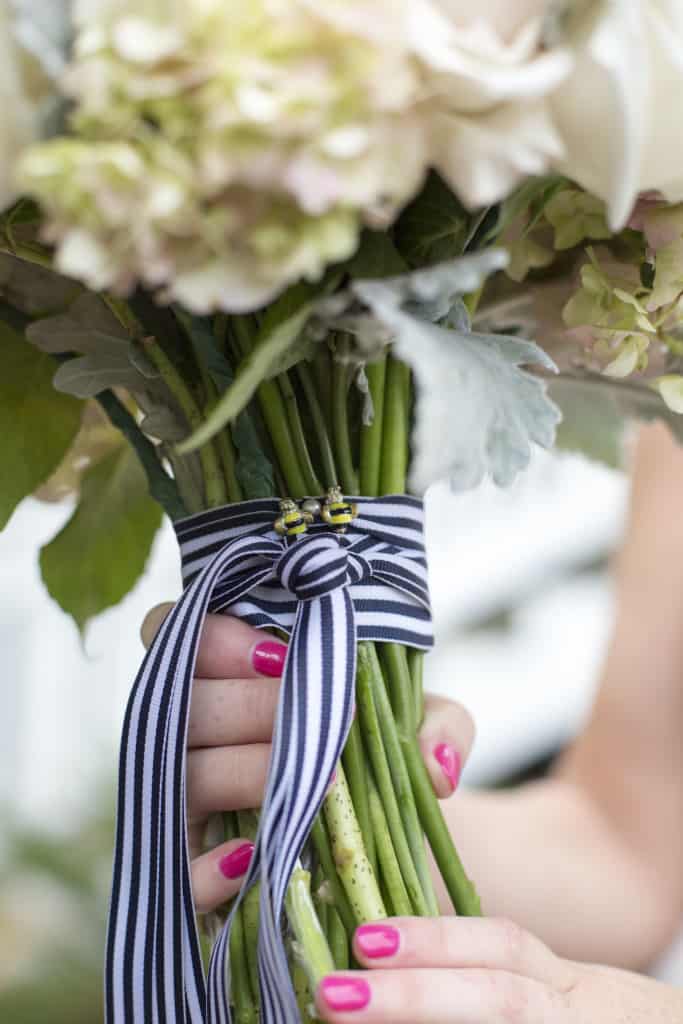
x,y
446,739
228,648
459,942
226,779
218,875
434,996
228,712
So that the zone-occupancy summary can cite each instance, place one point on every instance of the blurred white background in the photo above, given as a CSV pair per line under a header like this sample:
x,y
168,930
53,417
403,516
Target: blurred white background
x,y
504,562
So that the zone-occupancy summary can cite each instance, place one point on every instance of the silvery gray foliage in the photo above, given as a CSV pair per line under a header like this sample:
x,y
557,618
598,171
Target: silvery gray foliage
x,y
429,294
105,356
43,27
477,412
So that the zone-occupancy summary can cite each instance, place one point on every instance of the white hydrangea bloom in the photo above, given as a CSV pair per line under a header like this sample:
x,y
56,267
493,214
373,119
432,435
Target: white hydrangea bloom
x,y
32,38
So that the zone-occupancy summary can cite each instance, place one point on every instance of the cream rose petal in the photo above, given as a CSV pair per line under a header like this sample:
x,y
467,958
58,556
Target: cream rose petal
x,y
484,157
617,113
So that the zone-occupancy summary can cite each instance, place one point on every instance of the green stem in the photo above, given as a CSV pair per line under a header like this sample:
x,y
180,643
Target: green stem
x,y
321,841
416,667
368,667
228,459
313,485
354,868
401,905
342,440
242,996
322,436
302,991
247,827
211,469
460,889
339,940
275,418
356,769
187,474
311,945
394,725
371,435
322,369
395,436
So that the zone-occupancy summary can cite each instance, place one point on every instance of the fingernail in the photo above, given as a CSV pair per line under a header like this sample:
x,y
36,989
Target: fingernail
x,y
377,941
333,779
345,993
268,658
236,864
450,761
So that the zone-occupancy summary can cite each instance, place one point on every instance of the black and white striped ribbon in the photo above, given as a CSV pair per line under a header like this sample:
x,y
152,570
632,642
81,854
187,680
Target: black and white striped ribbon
x,y
327,591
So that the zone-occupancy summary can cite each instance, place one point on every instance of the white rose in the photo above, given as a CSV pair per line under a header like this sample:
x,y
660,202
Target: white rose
x,y
32,41
618,113
488,77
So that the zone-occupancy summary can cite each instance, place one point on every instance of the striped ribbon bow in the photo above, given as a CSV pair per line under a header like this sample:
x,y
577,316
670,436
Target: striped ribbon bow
x,y
327,591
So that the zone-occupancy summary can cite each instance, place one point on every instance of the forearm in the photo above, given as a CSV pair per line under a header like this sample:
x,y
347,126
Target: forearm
x,y
591,859
545,856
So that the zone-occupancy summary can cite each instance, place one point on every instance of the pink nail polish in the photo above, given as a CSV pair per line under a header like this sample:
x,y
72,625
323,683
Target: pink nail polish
x,y
345,993
377,941
268,658
236,864
450,761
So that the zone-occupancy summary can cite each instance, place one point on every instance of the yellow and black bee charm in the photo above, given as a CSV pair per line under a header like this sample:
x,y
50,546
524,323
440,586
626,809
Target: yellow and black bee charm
x,y
336,511
292,521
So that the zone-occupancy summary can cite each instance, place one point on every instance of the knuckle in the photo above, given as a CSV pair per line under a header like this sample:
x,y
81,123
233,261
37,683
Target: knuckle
x,y
514,942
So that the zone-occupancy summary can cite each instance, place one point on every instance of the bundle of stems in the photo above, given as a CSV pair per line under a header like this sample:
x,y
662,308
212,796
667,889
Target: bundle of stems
x,y
366,857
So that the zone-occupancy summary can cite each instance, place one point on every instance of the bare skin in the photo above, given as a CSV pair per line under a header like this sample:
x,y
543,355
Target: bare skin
x,y
587,861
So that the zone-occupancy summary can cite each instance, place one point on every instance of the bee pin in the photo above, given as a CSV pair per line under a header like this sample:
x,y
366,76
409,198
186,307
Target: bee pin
x,y
338,512
291,522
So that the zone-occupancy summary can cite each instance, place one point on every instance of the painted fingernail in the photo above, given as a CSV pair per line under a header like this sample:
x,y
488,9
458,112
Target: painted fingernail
x,y
450,761
345,993
377,941
236,864
268,658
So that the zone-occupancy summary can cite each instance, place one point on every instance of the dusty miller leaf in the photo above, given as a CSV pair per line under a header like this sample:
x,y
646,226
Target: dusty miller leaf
x,y
477,413
100,554
88,327
430,293
37,424
87,376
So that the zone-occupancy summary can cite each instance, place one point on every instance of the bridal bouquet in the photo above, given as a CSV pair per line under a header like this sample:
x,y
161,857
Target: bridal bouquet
x,y
272,268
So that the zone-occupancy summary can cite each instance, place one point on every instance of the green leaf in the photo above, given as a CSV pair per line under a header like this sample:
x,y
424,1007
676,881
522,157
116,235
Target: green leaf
x,y
434,227
100,554
282,325
377,256
533,196
37,424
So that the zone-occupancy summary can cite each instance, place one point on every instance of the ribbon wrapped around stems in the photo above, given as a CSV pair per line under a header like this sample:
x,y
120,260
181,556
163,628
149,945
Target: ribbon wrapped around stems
x,y
327,591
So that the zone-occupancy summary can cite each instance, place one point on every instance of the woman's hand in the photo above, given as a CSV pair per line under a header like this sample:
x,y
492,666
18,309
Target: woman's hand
x,y
482,971
234,700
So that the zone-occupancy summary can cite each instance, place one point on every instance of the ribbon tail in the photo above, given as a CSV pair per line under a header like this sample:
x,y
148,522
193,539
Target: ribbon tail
x,y
153,969
314,716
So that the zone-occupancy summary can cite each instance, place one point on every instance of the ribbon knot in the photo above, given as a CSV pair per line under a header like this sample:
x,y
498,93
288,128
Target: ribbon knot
x,y
327,591
319,565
